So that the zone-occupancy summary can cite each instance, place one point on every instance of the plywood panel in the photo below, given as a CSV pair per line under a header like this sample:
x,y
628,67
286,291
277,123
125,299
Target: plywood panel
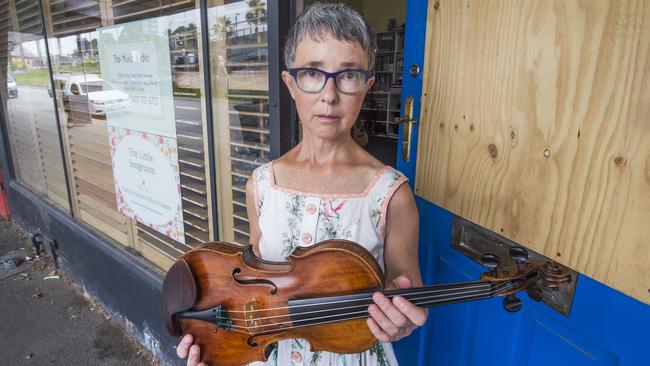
x,y
535,125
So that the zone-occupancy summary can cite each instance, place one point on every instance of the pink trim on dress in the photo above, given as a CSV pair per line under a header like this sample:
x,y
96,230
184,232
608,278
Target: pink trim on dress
x,y
384,209
255,194
371,185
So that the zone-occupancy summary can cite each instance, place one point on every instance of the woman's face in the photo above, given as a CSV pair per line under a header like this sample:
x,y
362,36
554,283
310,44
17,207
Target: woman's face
x,y
328,114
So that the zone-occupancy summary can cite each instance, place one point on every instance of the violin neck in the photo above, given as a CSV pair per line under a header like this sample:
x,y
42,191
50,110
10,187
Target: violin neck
x,y
329,309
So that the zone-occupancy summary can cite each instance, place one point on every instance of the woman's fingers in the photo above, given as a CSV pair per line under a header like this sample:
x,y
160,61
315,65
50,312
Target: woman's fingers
x,y
376,330
195,356
392,320
388,326
403,282
415,314
390,316
186,348
183,348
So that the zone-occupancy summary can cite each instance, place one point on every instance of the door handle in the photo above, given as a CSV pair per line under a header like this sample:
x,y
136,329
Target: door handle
x,y
407,133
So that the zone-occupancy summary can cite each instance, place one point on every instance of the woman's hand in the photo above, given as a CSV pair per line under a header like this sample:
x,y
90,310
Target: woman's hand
x,y
187,347
393,320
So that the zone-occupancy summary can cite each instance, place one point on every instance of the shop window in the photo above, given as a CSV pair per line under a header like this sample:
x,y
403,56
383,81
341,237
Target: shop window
x,y
240,89
27,102
97,103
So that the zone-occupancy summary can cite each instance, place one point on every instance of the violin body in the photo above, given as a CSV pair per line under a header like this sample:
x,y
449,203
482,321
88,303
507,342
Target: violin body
x,y
245,300
237,305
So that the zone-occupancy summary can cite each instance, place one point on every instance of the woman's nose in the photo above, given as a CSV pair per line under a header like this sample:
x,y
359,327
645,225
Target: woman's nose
x,y
329,94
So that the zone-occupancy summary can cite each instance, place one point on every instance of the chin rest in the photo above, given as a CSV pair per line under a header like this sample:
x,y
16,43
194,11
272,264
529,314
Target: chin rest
x,y
179,293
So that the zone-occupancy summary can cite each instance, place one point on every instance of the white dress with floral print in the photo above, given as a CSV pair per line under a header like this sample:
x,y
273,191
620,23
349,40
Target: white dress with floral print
x,y
289,218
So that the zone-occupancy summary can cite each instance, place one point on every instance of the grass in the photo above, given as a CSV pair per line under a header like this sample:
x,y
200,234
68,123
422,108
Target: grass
x,y
33,78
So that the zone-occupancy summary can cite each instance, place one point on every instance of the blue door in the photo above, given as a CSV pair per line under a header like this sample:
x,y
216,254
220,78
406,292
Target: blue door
x,y
604,327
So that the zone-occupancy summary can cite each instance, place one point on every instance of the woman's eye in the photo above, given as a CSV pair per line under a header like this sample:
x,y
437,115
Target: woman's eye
x,y
312,73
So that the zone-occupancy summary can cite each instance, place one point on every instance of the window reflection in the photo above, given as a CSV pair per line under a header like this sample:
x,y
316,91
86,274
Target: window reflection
x,y
31,123
238,57
86,97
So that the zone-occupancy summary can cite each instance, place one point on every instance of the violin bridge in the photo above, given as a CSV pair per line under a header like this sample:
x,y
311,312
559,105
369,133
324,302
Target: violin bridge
x,y
252,318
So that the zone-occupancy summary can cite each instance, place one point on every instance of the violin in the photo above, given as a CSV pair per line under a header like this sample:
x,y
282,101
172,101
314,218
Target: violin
x,y
237,305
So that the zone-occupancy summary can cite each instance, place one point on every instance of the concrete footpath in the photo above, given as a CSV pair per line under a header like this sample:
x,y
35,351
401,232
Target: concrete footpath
x,y
46,320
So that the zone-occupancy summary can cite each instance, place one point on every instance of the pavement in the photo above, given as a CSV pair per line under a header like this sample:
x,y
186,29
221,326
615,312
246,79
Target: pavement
x,y
46,320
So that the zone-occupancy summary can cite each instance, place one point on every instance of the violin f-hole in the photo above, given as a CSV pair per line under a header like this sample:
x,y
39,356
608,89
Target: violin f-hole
x,y
256,281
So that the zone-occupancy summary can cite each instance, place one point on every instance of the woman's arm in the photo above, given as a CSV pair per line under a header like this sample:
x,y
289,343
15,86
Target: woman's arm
x,y
401,244
392,320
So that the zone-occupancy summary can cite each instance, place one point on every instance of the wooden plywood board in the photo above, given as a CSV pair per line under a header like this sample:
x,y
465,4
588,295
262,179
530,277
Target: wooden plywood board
x,y
535,124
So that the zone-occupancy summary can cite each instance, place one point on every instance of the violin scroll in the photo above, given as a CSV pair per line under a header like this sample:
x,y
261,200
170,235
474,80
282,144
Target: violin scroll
x,y
534,276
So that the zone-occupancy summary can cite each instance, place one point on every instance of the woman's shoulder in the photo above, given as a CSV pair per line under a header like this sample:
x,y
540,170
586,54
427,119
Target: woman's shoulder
x,y
262,170
260,180
388,180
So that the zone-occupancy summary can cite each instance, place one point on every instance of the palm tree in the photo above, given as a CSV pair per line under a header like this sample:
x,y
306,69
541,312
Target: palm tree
x,y
223,27
256,14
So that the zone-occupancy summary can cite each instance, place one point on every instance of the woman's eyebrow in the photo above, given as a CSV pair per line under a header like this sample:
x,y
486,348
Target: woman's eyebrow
x,y
347,64
350,64
314,64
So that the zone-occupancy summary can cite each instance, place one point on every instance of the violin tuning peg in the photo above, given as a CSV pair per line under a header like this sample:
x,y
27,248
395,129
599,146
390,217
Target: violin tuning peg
x,y
512,303
534,293
490,261
519,254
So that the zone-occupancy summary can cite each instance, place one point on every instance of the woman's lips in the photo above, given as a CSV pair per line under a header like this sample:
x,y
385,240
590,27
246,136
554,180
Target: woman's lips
x,y
327,117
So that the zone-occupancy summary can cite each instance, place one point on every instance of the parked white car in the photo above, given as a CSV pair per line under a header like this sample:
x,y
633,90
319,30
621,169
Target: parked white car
x,y
12,89
102,95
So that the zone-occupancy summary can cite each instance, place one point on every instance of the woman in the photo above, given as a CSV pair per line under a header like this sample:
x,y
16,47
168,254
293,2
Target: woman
x,y
329,187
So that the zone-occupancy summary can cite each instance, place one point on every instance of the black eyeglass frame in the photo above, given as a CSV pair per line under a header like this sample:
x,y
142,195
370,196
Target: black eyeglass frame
x,y
330,75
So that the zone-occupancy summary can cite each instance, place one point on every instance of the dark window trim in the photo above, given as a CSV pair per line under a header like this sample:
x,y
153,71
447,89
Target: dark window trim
x,y
56,111
207,95
8,170
281,119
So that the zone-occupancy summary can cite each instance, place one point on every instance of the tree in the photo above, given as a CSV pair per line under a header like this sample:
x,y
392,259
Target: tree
x,y
223,27
256,14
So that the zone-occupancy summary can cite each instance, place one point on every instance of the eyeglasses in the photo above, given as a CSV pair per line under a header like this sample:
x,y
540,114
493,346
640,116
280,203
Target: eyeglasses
x,y
312,80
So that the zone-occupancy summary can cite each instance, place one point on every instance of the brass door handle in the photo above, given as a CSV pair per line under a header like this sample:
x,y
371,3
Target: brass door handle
x,y
407,132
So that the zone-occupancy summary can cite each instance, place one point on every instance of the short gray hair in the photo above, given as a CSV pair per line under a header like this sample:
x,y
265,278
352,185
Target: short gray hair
x,y
338,20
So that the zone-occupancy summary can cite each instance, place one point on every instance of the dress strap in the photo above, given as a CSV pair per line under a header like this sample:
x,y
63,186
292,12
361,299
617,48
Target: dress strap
x,y
381,194
261,184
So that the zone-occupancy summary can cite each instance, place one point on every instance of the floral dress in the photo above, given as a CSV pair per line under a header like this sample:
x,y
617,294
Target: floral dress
x,y
289,219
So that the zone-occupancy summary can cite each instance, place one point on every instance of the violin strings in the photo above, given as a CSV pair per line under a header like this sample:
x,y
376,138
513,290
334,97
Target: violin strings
x,y
368,301
469,285
364,313
352,315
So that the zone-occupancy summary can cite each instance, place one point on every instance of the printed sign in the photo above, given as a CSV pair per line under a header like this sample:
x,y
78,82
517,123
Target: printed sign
x,y
134,59
137,97
147,184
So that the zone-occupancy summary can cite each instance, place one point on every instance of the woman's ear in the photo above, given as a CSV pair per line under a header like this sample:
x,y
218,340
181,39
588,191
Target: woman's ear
x,y
369,84
288,81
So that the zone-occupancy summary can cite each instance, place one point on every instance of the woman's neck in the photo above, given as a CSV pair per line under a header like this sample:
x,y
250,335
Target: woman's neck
x,y
321,152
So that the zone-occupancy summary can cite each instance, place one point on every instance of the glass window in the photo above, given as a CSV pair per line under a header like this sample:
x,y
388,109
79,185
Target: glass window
x,y
238,61
93,101
27,102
